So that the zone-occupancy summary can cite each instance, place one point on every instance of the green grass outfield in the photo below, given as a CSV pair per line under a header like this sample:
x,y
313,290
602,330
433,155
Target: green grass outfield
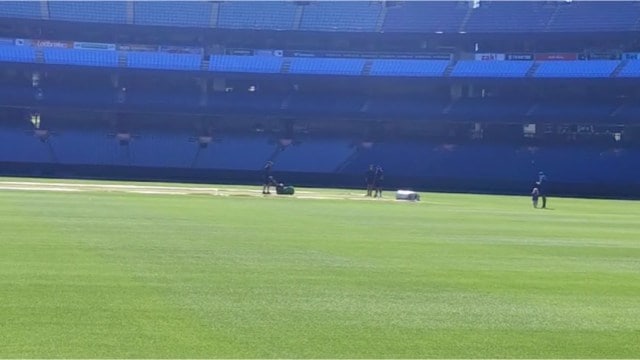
x,y
104,273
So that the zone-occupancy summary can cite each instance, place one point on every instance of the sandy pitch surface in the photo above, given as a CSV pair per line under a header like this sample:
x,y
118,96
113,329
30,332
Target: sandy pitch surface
x,y
154,189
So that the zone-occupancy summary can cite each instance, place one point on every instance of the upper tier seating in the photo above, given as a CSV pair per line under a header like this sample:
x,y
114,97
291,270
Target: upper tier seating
x,y
576,69
245,64
173,13
21,9
356,16
475,68
409,67
268,15
428,17
326,66
341,16
89,11
595,16
81,57
509,16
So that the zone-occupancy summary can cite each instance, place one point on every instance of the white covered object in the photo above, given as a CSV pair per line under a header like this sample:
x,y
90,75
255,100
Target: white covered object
x,y
407,195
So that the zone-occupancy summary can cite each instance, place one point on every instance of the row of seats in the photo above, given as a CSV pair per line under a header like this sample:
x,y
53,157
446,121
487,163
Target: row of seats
x,y
426,68
354,16
562,164
500,162
329,66
329,106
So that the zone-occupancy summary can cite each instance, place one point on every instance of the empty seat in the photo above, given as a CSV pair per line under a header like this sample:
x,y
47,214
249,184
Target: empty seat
x,y
631,69
246,64
89,11
326,66
595,16
509,16
408,67
81,57
268,15
341,16
476,68
20,9
173,13
155,60
17,54
576,69
426,16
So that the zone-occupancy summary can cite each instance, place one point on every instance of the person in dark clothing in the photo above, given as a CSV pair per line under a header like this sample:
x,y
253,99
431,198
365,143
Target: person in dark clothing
x,y
378,176
369,177
535,194
267,178
542,188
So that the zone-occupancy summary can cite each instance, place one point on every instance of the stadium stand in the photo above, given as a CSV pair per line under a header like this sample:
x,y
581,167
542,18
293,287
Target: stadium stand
x,y
408,67
327,154
21,9
80,57
509,16
576,69
630,69
560,110
475,68
18,144
423,108
489,108
89,11
429,17
462,122
246,102
267,15
17,54
326,66
595,16
97,147
157,60
173,13
245,64
321,104
341,16
250,152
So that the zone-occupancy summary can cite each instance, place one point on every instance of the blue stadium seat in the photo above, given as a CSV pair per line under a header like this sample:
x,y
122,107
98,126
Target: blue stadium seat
x,y
17,54
156,60
341,16
173,13
420,107
314,155
475,68
509,16
326,66
267,15
249,153
89,11
81,57
317,104
576,69
560,110
409,67
20,9
595,16
245,64
631,69
489,108
426,16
